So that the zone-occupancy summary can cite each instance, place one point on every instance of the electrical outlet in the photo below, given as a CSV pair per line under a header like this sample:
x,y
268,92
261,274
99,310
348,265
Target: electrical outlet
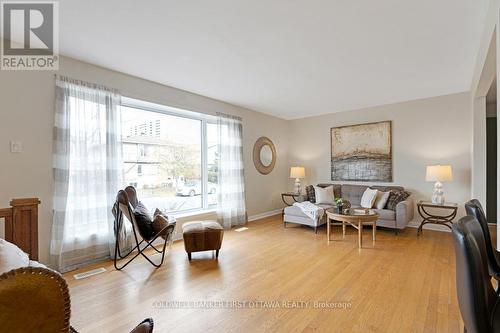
x,y
16,146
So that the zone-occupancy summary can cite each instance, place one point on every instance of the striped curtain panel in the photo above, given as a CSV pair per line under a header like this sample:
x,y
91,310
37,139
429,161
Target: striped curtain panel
x,y
231,208
87,166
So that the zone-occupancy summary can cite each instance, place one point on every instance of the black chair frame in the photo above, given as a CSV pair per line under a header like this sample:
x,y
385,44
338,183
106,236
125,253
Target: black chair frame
x,y
475,209
477,298
140,251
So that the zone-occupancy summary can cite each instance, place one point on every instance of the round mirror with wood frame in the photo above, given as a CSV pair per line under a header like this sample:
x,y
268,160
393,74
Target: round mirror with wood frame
x,y
264,155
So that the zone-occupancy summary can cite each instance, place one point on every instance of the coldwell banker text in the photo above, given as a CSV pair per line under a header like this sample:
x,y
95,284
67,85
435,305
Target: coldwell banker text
x,y
30,35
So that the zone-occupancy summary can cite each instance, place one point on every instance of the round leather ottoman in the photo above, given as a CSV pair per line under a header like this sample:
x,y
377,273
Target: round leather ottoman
x,y
202,236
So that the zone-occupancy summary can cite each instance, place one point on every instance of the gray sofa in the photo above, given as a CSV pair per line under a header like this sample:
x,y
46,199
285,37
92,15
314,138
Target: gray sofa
x,y
397,219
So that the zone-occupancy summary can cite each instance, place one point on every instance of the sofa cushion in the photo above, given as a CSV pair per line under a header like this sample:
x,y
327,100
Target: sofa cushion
x,y
368,198
353,193
388,188
294,211
385,214
396,197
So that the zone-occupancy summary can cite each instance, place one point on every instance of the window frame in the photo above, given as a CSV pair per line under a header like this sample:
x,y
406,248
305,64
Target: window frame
x,y
205,119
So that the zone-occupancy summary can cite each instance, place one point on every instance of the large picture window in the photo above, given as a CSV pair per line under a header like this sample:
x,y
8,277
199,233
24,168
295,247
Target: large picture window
x,y
170,156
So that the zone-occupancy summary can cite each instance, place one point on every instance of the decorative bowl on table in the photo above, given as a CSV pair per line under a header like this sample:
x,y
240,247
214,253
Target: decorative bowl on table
x,y
341,205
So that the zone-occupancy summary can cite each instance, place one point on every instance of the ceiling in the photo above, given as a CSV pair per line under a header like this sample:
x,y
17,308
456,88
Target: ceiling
x,y
287,58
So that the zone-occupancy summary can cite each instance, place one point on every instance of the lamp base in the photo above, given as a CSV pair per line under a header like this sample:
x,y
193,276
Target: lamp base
x,y
296,188
438,194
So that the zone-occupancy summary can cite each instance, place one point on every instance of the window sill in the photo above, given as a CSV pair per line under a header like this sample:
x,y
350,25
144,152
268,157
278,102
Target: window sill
x,y
184,217
194,213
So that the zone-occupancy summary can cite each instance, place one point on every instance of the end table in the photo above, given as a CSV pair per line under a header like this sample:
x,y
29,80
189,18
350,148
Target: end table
x,y
292,195
446,218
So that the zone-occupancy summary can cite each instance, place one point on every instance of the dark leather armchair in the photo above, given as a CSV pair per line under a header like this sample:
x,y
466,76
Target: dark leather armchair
x,y
36,299
475,209
476,297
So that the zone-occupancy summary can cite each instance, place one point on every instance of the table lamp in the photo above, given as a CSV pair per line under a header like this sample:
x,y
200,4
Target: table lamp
x,y
438,174
297,173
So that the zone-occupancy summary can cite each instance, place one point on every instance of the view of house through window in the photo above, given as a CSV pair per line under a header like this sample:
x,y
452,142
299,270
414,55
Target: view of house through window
x,y
162,159
212,162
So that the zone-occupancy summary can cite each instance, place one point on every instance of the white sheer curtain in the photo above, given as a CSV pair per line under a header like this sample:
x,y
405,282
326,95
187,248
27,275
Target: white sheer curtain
x,y
231,195
87,172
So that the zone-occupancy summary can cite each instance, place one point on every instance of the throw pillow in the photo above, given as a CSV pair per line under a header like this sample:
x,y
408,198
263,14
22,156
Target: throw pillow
x,y
323,195
368,198
160,221
310,193
159,212
396,197
159,224
143,221
381,199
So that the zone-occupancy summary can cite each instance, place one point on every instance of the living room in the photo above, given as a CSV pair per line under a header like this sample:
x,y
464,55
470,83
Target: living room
x,y
248,166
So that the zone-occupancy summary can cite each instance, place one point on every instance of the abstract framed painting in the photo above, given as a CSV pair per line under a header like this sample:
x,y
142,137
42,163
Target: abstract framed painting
x,y
362,152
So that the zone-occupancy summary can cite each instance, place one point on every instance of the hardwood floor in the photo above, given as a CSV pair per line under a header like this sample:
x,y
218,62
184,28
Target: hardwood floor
x,y
399,283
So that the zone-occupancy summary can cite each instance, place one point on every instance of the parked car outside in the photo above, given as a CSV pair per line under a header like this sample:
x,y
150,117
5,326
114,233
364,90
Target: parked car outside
x,y
192,188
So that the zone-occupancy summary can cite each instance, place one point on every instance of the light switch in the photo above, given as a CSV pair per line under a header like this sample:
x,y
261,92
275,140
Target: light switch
x,y
16,146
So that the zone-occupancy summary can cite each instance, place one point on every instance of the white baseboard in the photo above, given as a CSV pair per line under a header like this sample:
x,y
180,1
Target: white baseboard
x,y
435,227
264,215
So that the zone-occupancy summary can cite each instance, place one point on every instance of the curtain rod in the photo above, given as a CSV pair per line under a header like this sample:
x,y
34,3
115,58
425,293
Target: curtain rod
x,y
230,116
87,84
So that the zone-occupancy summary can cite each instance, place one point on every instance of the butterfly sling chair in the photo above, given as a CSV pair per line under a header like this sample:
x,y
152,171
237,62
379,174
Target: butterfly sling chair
x,y
124,207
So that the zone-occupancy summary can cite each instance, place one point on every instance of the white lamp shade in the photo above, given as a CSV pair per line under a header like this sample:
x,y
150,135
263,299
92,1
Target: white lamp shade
x,y
297,172
438,173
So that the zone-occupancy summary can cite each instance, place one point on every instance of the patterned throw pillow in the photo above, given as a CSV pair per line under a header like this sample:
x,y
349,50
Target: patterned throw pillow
x,y
311,194
396,197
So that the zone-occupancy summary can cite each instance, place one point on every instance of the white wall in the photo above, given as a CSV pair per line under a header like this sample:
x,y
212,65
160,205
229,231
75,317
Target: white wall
x,y
26,114
428,131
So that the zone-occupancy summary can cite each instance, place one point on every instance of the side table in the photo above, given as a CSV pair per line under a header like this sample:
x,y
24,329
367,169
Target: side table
x,y
292,195
446,218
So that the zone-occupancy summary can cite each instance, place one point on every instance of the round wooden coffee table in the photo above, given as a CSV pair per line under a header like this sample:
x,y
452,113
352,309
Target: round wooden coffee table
x,y
354,217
